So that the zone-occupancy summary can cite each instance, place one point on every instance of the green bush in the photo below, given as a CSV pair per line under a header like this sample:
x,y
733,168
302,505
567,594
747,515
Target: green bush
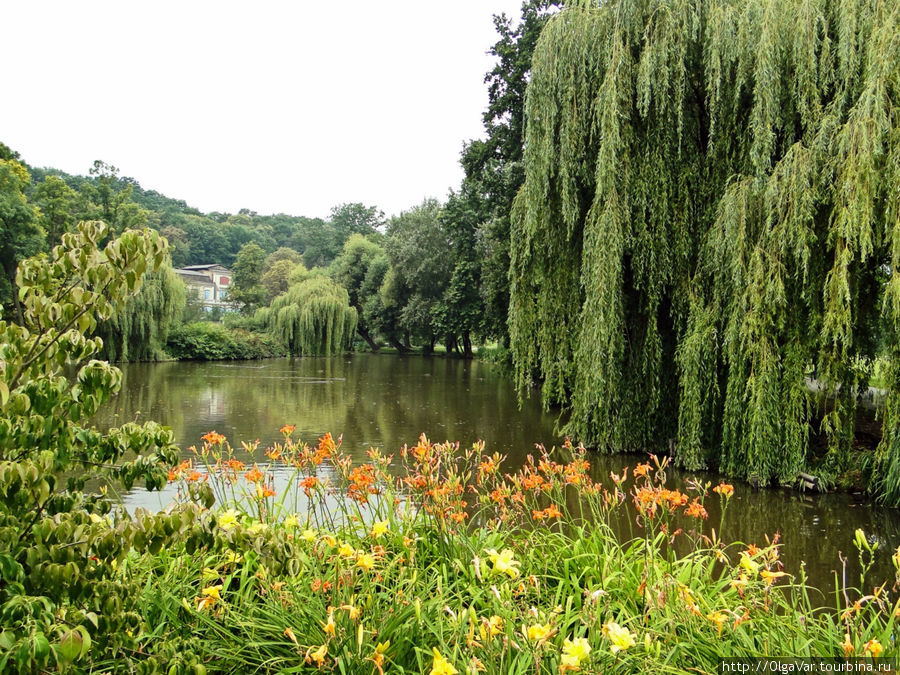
x,y
238,321
63,599
204,341
496,354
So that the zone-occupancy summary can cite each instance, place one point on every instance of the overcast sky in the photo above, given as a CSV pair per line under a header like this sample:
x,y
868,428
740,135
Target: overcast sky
x,y
275,106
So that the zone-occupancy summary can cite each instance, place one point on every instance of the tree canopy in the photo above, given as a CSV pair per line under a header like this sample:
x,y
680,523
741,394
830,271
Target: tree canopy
x,y
352,271
20,235
493,167
138,330
709,220
246,287
313,317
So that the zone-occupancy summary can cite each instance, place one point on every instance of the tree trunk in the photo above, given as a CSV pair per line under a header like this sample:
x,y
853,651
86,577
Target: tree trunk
x,y
467,344
396,344
368,338
14,291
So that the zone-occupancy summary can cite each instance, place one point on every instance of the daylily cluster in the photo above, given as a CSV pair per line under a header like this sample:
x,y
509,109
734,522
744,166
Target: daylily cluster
x,y
393,530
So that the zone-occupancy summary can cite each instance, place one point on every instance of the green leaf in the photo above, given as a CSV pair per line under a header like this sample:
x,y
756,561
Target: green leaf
x,y
69,646
86,640
40,648
10,570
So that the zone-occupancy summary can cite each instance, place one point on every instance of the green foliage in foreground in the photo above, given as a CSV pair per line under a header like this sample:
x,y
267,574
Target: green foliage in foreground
x,y
710,215
443,563
204,341
61,599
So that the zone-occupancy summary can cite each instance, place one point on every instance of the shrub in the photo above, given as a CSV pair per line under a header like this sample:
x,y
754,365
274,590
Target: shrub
x,y
208,342
63,599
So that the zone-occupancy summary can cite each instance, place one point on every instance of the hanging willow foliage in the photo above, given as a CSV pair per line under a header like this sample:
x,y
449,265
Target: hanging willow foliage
x,y
314,316
710,221
138,331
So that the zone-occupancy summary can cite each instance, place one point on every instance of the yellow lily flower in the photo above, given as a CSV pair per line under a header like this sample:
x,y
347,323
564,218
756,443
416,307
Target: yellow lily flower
x,y
503,562
573,653
874,648
441,666
366,561
318,656
539,631
330,627
620,637
770,577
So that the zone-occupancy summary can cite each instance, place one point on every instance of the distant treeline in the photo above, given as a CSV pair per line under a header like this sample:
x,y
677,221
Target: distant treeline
x,y
196,237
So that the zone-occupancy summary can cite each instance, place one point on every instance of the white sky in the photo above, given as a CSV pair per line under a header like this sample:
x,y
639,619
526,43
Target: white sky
x,y
276,106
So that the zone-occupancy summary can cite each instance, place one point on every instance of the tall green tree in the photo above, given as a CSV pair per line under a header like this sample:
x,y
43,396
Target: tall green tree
x,y
709,215
207,242
417,246
463,305
355,218
276,279
313,317
380,306
494,170
20,235
282,253
351,270
179,245
316,241
59,205
138,330
246,289
112,196
278,268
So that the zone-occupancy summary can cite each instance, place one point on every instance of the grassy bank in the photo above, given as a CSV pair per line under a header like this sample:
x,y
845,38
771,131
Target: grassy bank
x,y
437,560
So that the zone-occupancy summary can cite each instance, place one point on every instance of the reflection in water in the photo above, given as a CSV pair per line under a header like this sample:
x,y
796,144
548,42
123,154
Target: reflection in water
x,y
388,400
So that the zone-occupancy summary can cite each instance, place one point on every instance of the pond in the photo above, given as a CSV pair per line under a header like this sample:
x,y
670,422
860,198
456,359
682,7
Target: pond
x,y
388,400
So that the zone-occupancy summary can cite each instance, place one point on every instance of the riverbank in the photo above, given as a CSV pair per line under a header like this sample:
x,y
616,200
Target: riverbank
x,y
212,341
454,565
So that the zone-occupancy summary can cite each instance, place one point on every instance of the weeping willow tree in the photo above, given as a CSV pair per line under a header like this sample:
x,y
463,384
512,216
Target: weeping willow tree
x,y
313,316
709,228
139,329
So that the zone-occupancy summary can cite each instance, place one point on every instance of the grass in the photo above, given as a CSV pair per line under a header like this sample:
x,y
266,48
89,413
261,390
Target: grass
x,y
443,562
